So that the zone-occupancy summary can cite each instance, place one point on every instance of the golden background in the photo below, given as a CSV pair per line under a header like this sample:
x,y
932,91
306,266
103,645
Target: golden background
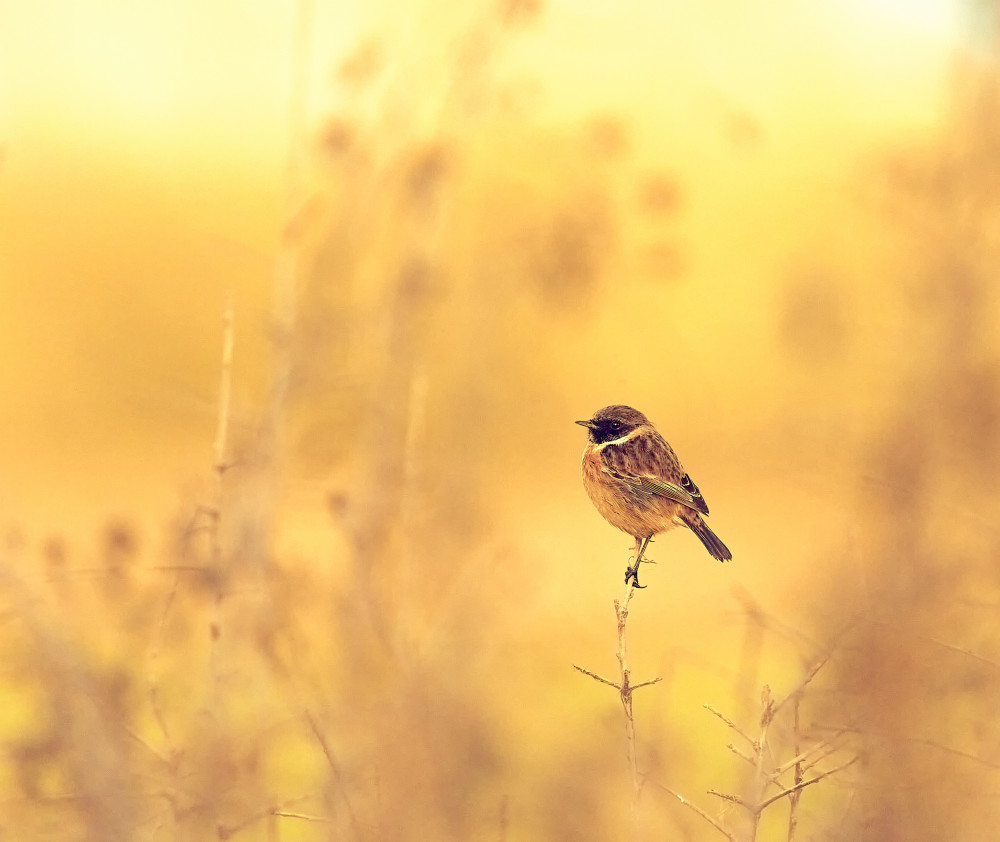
x,y
444,232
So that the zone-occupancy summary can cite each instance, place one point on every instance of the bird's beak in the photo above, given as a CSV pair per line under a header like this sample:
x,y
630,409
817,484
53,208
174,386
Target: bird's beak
x,y
588,424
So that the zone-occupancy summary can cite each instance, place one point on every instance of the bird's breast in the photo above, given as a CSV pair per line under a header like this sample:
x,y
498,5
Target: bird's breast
x,y
624,506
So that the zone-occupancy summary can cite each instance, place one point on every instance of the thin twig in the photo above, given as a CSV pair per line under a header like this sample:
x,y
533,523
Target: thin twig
x,y
766,773
730,723
956,751
803,784
335,769
625,687
816,667
504,819
732,799
691,806
773,777
823,750
287,815
152,673
768,709
919,740
770,622
793,801
228,831
214,512
222,426
741,755
625,690
225,387
595,676
950,646
179,568
158,755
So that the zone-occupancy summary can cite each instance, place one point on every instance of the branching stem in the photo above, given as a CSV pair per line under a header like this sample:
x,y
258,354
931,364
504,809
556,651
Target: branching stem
x,y
624,685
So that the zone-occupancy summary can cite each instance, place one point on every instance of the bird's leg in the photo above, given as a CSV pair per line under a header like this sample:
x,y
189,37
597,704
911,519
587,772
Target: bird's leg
x,y
632,573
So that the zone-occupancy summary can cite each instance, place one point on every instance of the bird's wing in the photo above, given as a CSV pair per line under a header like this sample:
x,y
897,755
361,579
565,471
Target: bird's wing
x,y
686,494
688,484
650,466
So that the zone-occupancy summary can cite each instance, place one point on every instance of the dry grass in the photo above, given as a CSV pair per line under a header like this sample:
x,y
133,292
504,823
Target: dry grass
x,y
449,279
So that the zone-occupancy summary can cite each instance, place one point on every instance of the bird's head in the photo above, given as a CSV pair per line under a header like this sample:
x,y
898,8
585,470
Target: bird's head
x,y
613,422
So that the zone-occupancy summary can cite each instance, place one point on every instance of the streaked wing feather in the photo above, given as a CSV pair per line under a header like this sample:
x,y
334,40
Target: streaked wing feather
x,y
651,485
688,484
631,463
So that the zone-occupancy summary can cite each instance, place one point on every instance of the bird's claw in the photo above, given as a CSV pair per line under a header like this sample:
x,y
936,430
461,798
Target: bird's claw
x,y
632,574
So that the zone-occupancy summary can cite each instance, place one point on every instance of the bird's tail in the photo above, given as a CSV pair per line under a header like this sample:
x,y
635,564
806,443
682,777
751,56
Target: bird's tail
x,y
709,539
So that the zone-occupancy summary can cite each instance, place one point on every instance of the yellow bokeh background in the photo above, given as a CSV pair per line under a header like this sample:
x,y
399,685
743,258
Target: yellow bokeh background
x,y
444,232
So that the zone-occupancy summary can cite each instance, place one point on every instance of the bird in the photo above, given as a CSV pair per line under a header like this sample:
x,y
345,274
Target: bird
x,y
636,482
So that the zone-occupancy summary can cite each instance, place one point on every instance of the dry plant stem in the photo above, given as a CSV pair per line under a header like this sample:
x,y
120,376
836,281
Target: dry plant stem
x,y
305,816
759,808
228,831
222,425
335,771
823,749
718,826
596,677
820,663
793,799
949,646
992,764
504,819
152,678
625,687
765,776
729,722
284,293
761,778
219,469
213,514
803,784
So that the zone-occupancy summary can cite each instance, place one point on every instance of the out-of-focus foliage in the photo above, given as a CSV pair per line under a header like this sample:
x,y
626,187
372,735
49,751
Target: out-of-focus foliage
x,y
489,223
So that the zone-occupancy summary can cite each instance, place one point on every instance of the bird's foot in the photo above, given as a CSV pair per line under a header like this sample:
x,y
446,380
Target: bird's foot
x,y
632,574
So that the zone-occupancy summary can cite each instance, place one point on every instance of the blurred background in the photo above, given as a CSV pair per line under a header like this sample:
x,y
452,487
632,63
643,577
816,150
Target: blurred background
x,y
444,232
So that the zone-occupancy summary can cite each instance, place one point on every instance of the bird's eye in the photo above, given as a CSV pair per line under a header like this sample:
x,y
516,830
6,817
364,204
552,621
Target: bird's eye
x,y
616,425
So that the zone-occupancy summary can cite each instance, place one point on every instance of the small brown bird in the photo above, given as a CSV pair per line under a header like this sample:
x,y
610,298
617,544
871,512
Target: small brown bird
x,y
638,485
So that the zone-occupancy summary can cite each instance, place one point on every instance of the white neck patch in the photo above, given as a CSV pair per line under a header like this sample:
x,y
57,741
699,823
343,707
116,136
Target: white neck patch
x,y
638,431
